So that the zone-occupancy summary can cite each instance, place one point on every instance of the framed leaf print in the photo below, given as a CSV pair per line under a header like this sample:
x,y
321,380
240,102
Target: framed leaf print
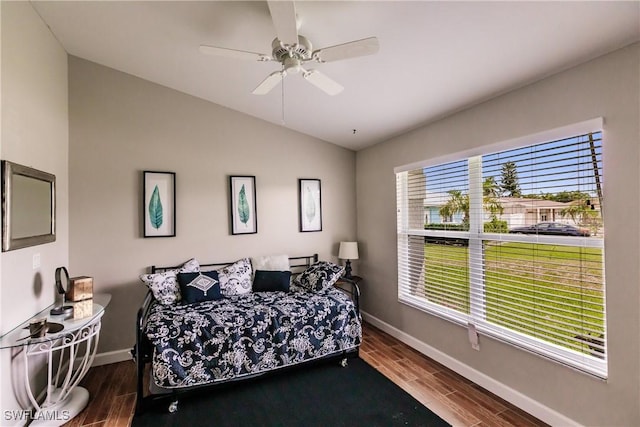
x,y
310,205
159,207
244,218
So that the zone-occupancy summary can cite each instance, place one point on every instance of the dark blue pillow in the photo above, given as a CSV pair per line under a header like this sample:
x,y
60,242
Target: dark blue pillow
x,y
196,287
271,281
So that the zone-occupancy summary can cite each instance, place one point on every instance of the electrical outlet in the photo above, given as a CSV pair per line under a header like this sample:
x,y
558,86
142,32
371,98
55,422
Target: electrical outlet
x,y
473,337
36,261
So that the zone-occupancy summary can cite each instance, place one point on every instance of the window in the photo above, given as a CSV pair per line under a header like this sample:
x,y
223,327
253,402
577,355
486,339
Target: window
x,y
514,245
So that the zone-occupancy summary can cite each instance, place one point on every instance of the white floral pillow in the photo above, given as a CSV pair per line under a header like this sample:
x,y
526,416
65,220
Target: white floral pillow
x,y
191,266
164,286
270,263
320,276
235,279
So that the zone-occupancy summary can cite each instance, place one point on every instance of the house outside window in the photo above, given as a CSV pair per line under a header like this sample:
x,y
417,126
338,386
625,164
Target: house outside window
x,y
516,252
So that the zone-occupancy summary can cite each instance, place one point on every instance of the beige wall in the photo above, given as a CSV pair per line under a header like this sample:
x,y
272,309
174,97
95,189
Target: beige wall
x,y
121,125
607,87
34,133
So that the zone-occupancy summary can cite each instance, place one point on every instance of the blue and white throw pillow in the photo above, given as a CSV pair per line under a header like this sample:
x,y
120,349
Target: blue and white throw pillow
x,y
320,276
235,279
164,286
197,287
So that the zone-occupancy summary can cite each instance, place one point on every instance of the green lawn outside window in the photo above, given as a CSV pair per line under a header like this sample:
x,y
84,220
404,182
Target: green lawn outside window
x,y
550,292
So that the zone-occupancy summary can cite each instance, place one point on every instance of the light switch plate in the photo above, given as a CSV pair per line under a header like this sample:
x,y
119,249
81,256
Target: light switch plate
x,y
36,261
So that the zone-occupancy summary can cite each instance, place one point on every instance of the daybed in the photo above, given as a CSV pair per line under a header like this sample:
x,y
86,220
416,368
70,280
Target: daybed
x,y
227,332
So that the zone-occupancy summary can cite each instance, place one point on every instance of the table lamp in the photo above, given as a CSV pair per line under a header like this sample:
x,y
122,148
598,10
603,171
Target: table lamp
x,y
348,251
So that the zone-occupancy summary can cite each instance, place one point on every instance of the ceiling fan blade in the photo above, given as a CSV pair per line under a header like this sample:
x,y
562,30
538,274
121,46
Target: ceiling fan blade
x,y
233,53
269,83
283,14
323,82
353,49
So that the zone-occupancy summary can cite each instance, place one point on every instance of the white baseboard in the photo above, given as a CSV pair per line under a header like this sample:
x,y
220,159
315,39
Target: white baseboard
x,y
112,357
516,398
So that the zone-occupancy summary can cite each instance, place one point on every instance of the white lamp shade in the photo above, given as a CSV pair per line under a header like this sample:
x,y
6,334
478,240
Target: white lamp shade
x,y
348,250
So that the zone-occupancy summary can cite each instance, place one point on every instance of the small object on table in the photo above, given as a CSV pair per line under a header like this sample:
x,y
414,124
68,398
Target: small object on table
x,y
38,328
62,284
80,288
82,309
66,310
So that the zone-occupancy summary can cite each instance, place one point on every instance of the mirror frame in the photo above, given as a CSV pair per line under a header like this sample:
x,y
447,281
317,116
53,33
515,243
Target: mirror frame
x,y
9,170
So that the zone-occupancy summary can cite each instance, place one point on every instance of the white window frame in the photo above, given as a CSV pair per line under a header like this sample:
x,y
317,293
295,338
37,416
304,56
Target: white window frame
x,y
476,318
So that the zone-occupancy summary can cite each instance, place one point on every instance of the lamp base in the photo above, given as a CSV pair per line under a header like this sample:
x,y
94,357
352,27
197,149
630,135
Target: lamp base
x,y
347,270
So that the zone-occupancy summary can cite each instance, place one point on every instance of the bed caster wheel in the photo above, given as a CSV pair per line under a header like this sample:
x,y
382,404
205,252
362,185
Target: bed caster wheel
x,y
344,362
173,407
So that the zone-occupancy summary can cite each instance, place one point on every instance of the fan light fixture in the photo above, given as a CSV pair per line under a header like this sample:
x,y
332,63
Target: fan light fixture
x,y
292,65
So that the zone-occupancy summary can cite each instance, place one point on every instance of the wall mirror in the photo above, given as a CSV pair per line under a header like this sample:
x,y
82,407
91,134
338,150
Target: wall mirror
x,y
28,206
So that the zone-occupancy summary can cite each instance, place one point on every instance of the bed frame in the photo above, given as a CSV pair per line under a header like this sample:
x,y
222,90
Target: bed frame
x,y
142,351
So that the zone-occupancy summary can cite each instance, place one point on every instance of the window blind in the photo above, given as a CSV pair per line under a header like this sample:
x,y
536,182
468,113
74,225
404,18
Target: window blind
x,y
512,243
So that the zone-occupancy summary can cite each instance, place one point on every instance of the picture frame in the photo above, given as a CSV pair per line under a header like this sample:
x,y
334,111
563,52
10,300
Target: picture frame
x,y
310,204
159,204
242,204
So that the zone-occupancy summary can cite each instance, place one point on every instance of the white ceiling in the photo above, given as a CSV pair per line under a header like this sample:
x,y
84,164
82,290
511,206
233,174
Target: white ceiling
x,y
435,58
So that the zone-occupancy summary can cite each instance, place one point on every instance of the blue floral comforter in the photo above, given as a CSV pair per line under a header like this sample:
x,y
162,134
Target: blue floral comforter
x,y
248,334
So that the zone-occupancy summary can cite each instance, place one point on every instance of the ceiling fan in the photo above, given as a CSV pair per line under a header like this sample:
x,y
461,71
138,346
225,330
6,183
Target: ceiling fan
x,y
293,50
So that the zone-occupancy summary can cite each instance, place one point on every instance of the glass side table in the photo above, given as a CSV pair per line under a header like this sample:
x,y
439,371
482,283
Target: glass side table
x,y
69,353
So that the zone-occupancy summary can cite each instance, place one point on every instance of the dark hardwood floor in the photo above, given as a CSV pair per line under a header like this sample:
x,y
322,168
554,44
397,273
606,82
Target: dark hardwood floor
x,y
452,397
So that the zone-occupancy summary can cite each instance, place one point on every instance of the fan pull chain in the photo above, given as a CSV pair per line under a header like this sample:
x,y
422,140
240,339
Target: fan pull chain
x,y
282,90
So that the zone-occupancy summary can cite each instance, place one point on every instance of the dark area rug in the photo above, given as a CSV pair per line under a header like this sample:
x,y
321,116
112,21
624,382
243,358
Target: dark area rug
x,y
320,395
